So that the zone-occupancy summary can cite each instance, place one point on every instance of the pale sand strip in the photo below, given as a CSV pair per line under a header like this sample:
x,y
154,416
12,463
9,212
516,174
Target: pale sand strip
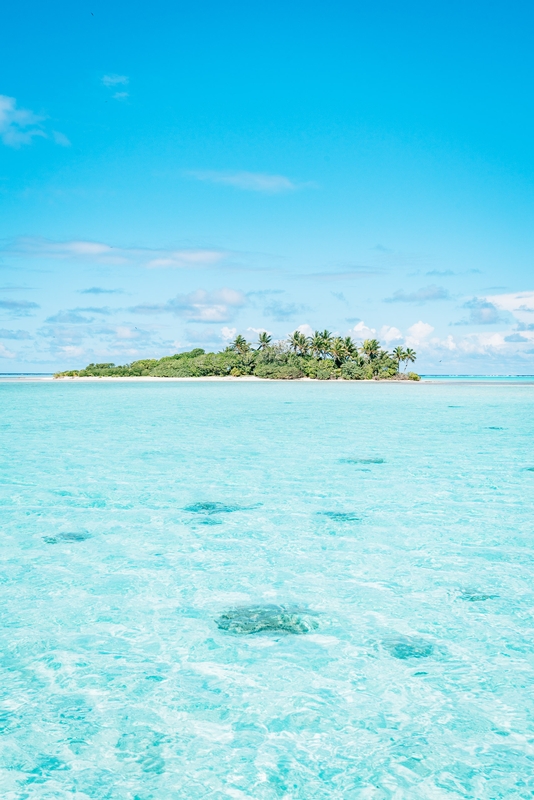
x,y
230,378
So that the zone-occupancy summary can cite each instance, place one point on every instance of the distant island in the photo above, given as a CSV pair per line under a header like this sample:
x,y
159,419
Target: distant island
x,y
321,356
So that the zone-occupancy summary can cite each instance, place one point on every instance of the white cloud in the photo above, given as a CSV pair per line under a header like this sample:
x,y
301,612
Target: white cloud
x,y
5,353
102,253
448,344
228,334
121,95
72,350
361,331
250,181
306,329
390,334
124,332
258,330
115,80
418,332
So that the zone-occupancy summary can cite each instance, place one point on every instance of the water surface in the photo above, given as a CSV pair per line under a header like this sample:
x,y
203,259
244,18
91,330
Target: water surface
x,y
396,518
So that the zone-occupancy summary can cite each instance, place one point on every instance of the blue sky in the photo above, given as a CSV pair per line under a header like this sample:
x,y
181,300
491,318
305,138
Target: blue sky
x,y
171,174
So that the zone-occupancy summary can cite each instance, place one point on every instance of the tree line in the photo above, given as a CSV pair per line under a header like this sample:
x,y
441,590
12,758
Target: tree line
x,y
322,356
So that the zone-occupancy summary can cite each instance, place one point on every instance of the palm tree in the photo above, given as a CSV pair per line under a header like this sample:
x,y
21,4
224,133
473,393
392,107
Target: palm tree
x,y
398,355
264,340
327,342
240,345
371,349
350,347
294,341
338,350
299,343
316,344
304,346
409,355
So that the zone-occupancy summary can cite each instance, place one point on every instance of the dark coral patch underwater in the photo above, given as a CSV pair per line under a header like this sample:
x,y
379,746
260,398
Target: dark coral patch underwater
x,y
341,516
476,597
362,460
68,536
215,508
267,619
410,648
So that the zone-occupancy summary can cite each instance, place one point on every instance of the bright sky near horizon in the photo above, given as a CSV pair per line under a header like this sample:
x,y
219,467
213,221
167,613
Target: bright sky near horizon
x,y
174,173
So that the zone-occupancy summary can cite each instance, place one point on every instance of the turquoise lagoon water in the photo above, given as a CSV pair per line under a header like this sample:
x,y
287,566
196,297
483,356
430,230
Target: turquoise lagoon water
x,y
400,515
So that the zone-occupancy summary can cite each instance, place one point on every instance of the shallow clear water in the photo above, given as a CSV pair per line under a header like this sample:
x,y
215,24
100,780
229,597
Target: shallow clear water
x,y
401,515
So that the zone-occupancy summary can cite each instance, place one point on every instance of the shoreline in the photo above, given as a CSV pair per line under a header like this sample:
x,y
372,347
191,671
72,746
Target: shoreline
x,y
434,380
224,378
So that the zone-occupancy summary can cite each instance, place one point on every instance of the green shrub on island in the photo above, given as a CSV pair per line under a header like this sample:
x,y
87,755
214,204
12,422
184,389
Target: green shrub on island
x,y
321,357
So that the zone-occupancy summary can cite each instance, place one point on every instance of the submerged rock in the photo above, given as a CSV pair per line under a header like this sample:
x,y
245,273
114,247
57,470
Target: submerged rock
x,y
362,460
68,536
410,648
267,619
341,516
495,428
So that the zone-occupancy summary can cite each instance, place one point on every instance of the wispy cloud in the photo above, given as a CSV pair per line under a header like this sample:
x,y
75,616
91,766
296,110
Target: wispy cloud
x,y
516,337
16,288
520,304
283,311
481,312
19,126
69,318
115,80
8,334
249,181
101,253
220,305
104,310
424,295
350,274
100,290
17,308
60,139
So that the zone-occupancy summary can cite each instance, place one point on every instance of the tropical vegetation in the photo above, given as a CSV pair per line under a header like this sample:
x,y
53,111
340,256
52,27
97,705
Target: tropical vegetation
x,y
322,356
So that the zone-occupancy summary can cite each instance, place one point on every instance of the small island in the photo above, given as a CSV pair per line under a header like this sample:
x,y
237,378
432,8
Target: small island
x,y
320,357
